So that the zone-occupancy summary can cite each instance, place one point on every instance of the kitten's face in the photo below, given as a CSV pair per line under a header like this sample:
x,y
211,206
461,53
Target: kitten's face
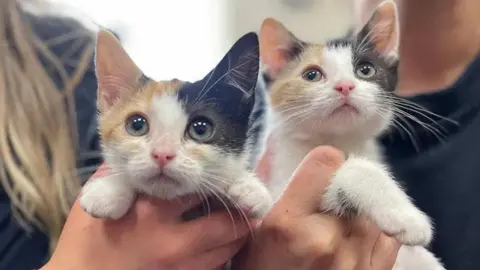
x,y
342,87
335,89
172,138
168,145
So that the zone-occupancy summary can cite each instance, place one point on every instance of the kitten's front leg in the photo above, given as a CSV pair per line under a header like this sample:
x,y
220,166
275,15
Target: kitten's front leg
x,y
368,188
251,195
108,197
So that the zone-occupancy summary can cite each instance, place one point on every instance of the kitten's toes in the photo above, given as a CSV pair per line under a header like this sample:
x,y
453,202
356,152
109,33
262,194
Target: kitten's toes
x,y
261,209
411,227
101,202
418,230
252,198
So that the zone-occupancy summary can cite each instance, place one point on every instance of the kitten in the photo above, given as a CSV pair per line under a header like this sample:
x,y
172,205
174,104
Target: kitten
x,y
341,94
172,138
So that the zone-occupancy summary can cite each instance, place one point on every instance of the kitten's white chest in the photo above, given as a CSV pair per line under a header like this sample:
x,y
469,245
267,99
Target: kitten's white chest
x,y
289,154
285,161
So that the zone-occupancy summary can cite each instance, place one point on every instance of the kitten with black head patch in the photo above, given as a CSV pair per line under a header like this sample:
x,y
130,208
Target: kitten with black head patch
x,y
340,94
172,138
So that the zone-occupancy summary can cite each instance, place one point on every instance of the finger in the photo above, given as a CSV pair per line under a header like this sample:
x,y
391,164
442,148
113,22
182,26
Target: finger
x,y
363,232
166,209
384,253
215,230
215,258
103,170
310,179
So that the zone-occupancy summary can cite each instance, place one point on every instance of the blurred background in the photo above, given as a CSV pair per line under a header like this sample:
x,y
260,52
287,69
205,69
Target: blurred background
x,y
185,38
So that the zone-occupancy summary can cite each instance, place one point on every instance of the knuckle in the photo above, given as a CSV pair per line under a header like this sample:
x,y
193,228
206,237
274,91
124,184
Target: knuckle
x,y
279,227
390,244
300,239
313,249
328,155
325,245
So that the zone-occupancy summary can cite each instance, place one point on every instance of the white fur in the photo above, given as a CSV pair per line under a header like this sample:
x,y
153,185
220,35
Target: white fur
x,y
216,173
363,183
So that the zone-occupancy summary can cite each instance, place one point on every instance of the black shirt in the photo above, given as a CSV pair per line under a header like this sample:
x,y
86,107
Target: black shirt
x,y
21,249
441,171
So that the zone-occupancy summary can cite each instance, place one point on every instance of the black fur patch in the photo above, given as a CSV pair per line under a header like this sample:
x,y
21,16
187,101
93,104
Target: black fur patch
x,y
226,96
364,51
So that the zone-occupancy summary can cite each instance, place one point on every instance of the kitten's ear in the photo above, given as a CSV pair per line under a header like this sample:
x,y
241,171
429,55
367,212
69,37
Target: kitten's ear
x,y
277,46
116,72
382,29
239,67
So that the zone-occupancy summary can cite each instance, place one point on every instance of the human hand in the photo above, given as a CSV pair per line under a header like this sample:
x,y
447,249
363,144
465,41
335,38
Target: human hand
x,y
294,235
151,236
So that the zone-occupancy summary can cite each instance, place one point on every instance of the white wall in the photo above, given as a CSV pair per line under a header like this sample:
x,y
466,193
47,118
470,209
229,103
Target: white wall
x,y
167,38
314,20
186,38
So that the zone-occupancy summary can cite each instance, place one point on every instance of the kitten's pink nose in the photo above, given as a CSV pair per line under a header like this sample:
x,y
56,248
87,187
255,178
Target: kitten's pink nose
x,y
345,87
162,158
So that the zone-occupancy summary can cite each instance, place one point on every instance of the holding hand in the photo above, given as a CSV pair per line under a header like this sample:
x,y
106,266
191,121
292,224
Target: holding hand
x,y
296,236
151,236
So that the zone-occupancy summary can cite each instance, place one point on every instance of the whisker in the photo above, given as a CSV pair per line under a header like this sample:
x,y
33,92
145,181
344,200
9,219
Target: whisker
x,y
214,193
235,204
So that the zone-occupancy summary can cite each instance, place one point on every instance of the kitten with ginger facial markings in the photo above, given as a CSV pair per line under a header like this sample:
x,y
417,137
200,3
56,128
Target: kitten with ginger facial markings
x,y
341,94
172,138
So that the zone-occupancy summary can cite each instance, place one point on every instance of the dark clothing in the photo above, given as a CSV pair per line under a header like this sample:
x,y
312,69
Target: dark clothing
x,y
26,250
442,173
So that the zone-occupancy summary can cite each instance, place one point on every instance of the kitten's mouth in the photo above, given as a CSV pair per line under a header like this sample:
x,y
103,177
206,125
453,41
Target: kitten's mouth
x,y
162,178
345,108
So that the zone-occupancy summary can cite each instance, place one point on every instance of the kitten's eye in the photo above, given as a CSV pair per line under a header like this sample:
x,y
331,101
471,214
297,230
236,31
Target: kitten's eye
x,y
312,75
366,70
200,129
137,125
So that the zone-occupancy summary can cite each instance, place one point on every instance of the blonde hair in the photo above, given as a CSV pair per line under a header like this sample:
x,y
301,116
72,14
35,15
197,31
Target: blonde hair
x,y
37,123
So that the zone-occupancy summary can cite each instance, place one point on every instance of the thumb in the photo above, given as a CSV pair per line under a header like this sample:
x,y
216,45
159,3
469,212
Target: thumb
x,y
303,194
102,170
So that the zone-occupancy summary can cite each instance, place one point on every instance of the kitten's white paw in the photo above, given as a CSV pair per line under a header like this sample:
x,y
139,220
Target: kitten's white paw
x,y
368,188
410,226
103,199
252,197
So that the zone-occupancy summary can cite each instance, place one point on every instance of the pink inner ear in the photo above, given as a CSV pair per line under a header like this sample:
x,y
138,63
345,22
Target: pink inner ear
x,y
276,61
108,98
385,28
110,90
116,72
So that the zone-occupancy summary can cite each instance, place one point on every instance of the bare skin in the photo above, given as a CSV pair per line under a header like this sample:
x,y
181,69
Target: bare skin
x,y
438,40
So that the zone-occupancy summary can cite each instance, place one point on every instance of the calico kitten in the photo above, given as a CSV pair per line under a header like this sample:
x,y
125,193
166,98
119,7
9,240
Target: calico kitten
x,y
171,138
341,94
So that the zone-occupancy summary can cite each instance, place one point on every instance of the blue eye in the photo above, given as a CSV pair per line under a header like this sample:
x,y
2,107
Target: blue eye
x,y
312,74
137,125
365,70
200,129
